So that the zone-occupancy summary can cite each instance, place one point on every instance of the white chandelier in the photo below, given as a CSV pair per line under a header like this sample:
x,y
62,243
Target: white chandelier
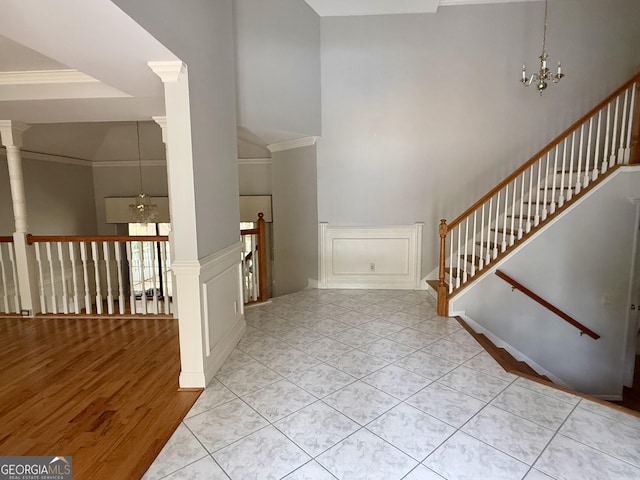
x,y
143,211
544,75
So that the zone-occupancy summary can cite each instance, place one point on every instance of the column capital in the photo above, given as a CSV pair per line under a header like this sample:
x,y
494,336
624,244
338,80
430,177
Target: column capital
x,y
11,133
168,71
162,121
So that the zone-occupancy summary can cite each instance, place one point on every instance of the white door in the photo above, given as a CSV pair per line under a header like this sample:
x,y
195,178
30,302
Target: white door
x,y
633,326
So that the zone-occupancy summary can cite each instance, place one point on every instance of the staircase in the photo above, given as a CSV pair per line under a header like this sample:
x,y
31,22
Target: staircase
x,y
607,137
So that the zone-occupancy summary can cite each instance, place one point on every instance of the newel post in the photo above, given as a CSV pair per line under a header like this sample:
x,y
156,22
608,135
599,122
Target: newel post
x,y
262,258
634,150
443,304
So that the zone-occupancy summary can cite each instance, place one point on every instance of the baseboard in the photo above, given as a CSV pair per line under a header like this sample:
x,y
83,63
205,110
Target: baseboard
x,y
608,398
223,349
192,380
515,353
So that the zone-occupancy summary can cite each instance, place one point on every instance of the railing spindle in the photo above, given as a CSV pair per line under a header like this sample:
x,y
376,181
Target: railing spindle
x,y
497,226
107,262
14,273
5,286
621,151
458,279
605,159
613,160
154,279
588,160
536,218
580,150
165,277
570,183
503,245
451,251
512,237
96,271
54,302
85,276
143,293
552,206
118,254
473,246
466,249
545,211
43,302
65,298
596,154
521,219
627,149
528,223
132,292
74,277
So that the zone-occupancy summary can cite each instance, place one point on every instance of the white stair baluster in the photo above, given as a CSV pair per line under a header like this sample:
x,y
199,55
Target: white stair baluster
x,y
496,227
63,276
521,219
528,223
512,237
588,160
613,159
451,263
487,247
545,211
627,148
503,245
74,277
579,170
458,279
561,197
85,276
536,218
552,206
96,271
607,132
596,157
255,271
107,263
117,250
572,156
14,273
621,152
473,245
54,300
132,293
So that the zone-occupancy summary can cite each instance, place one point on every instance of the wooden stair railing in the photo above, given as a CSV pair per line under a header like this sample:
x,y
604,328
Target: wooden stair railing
x,y
604,138
254,262
518,286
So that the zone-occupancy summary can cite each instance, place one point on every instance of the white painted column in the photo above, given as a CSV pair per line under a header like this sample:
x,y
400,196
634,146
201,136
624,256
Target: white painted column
x,y
162,121
11,138
182,202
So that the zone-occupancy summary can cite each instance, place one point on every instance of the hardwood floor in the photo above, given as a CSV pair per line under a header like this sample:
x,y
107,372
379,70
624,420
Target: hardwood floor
x,y
104,391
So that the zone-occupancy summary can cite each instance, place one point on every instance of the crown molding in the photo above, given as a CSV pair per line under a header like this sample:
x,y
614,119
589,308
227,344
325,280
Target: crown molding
x,y
47,157
40,77
168,71
291,144
254,161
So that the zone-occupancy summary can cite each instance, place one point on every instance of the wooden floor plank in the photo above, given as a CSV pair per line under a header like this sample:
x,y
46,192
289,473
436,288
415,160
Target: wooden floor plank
x,y
104,391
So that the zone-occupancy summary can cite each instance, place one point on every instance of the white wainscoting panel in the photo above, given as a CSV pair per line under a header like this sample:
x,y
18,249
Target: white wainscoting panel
x,y
370,257
223,313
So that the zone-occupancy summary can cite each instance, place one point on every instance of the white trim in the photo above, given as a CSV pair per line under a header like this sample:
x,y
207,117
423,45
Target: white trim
x,y
168,71
226,345
291,144
185,267
254,161
214,265
42,77
515,353
192,380
48,157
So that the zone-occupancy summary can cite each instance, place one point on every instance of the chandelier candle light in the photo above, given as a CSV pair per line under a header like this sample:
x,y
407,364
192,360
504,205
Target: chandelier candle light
x,y
142,211
544,75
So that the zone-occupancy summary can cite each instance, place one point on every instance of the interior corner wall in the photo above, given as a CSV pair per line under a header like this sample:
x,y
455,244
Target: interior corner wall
x,y
295,220
124,181
60,198
278,66
423,114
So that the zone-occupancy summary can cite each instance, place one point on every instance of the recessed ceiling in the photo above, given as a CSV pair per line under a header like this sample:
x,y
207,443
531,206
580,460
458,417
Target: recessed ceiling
x,y
343,8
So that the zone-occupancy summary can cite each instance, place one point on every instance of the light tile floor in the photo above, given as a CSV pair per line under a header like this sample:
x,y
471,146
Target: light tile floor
x,y
357,384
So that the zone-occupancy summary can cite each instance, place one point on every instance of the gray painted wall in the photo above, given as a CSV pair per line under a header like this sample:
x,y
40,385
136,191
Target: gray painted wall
x,y
588,279
60,198
278,62
295,220
202,36
423,114
255,178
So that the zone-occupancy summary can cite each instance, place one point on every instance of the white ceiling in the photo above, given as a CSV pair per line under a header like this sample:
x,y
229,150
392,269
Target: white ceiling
x,y
341,8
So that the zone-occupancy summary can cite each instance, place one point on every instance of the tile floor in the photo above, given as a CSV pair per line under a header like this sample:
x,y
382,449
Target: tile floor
x,y
357,384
